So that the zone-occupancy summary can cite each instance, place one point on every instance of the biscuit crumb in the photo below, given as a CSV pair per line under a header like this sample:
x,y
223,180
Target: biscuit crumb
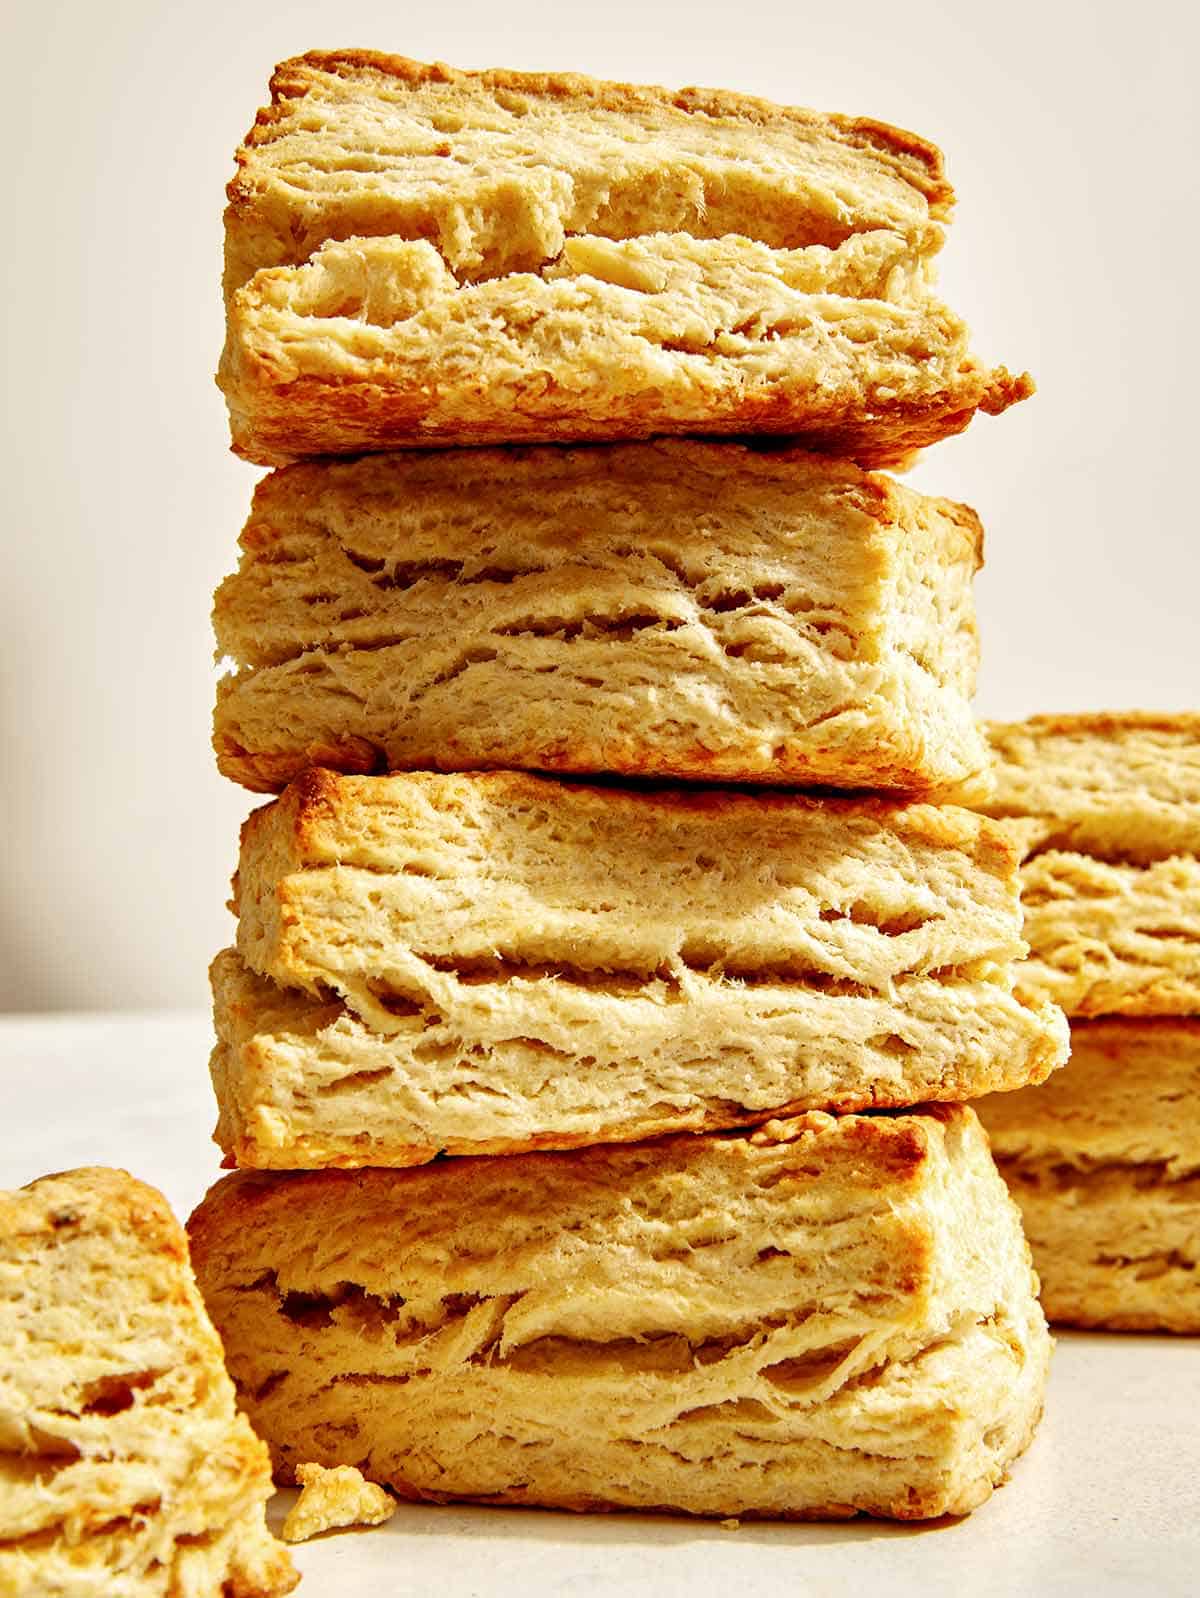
x,y
332,1499
733,1524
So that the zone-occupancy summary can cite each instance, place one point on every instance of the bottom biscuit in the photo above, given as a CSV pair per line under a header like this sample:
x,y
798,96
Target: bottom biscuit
x,y
822,1318
1104,1162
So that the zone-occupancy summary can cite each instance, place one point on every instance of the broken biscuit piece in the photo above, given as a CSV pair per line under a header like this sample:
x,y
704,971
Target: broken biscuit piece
x,y
125,1467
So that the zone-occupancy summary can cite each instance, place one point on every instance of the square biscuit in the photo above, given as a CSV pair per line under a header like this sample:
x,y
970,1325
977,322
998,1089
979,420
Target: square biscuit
x,y
1104,1161
828,1317
420,255
676,610
125,1467
1123,786
1111,884
483,963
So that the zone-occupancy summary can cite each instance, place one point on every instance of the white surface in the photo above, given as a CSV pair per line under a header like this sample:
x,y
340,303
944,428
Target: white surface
x,y
1107,1501
1070,134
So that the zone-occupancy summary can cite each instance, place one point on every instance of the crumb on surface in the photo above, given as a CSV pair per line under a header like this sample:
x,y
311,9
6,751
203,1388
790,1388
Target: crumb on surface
x,y
334,1498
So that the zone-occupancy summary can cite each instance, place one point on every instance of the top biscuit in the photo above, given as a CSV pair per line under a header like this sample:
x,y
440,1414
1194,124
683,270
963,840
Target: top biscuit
x,y
416,254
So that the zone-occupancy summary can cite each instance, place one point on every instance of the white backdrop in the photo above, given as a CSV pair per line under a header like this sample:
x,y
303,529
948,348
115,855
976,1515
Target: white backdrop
x,y
1070,132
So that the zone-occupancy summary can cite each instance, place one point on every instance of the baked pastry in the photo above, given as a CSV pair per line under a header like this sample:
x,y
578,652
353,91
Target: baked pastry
x,y
124,1465
677,609
1120,785
1105,1164
501,168
826,1317
418,255
500,961
1111,886
1112,939
333,1499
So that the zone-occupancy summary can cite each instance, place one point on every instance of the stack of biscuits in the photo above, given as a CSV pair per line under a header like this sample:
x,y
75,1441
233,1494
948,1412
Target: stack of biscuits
x,y
617,958
1105,1159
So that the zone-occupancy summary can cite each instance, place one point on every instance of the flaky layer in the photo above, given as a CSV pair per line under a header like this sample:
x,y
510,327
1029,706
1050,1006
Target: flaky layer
x,y
374,344
1124,1097
1116,1246
124,1465
395,881
1108,939
500,168
827,1317
576,932
677,610
517,1064
1123,786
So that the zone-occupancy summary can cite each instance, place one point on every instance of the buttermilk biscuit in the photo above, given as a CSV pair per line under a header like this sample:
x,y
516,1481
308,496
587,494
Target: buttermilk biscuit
x,y
1110,939
1111,887
415,254
826,1317
125,1468
1105,1164
1123,786
677,609
494,962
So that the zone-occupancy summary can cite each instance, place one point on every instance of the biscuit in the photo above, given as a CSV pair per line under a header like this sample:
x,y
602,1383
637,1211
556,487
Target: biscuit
x,y
416,255
1104,1162
828,1317
1120,785
686,610
1117,1102
304,1083
1110,939
493,961
124,1465
373,344
1111,886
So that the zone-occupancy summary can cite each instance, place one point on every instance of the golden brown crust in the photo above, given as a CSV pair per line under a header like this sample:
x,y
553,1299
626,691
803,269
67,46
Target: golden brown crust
x,y
317,795
1104,723
894,1149
277,423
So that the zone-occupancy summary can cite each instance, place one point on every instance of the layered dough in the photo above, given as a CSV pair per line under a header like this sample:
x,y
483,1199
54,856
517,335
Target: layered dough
x,y
824,1318
1104,1161
374,344
500,168
677,609
1111,883
523,1063
1112,939
1123,786
420,256
500,961
124,1464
